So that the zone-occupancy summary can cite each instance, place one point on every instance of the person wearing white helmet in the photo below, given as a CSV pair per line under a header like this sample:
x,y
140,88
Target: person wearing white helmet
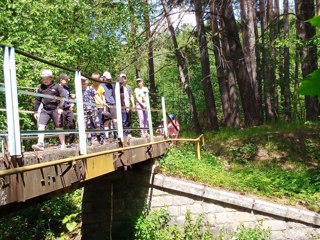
x,y
52,108
110,98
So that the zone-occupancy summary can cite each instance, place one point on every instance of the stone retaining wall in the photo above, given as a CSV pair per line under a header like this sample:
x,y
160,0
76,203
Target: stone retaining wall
x,y
111,209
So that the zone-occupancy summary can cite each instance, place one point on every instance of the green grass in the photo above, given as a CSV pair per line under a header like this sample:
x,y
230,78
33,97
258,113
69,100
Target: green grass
x,y
299,185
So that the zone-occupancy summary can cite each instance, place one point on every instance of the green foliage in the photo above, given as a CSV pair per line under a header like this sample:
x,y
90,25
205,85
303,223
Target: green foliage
x,y
315,21
155,225
158,224
310,85
47,220
243,154
254,233
292,182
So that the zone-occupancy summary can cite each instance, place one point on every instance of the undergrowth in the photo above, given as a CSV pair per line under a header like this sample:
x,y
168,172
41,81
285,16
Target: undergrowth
x,y
158,224
269,179
57,218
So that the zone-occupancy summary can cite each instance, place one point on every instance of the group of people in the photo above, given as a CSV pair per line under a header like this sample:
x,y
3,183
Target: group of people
x,y
99,106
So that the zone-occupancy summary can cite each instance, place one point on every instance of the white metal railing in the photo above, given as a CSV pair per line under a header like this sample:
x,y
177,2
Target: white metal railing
x,y
12,111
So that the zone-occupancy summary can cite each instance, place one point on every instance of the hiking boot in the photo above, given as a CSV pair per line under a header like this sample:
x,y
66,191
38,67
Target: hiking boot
x,y
101,141
38,147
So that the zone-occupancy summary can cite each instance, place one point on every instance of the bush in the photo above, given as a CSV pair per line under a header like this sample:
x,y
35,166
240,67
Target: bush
x,y
158,224
243,154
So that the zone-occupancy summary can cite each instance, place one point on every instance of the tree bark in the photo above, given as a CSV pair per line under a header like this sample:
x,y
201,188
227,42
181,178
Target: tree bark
x,y
285,89
133,31
153,89
228,94
247,92
183,70
305,10
261,15
205,68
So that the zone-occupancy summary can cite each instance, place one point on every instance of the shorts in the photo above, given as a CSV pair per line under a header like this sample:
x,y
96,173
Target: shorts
x,y
46,115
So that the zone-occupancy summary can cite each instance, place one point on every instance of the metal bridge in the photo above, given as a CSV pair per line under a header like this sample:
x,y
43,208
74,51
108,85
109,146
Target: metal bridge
x,y
26,176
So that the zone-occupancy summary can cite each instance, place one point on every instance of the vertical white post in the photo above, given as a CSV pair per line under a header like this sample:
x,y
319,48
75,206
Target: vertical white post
x,y
149,116
80,113
9,68
119,112
164,117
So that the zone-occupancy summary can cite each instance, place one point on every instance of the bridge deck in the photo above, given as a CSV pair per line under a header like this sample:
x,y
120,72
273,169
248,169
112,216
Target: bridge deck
x,y
37,178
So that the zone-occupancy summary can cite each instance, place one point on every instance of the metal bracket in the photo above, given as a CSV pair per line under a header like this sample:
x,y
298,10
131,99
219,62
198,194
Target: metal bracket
x,y
66,170
80,174
6,153
149,151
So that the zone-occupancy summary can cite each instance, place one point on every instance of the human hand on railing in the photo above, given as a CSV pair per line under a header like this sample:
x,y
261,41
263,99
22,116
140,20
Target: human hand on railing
x,y
36,116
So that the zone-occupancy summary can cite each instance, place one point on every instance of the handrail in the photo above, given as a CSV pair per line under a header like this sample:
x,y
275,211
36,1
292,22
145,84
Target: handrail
x,y
7,172
14,132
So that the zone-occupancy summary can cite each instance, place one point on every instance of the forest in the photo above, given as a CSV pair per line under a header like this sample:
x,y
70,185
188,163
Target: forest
x,y
224,68
236,63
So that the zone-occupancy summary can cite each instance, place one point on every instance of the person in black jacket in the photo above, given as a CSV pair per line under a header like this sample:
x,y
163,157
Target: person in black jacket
x,y
67,117
51,108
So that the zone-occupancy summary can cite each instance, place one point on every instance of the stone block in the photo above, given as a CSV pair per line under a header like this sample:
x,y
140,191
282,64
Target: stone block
x,y
211,219
196,208
275,225
161,201
279,235
235,217
157,180
174,211
183,186
157,192
302,215
295,225
182,200
297,234
228,197
212,208
271,208
224,218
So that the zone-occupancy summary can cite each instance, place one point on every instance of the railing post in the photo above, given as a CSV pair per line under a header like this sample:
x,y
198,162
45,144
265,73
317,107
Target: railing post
x,y
149,116
119,112
10,80
80,113
164,117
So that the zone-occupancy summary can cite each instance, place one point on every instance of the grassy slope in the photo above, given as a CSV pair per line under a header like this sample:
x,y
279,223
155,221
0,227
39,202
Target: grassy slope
x,y
279,162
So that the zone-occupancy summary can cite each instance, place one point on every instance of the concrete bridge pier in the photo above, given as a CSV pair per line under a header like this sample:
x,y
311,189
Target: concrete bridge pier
x,y
112,203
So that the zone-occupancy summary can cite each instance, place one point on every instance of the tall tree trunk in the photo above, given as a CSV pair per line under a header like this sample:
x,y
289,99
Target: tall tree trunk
x,y
276,61
133,31
247,92
153,89
269,83
305,10
261,14
318,7
205,67
286,63
183,70
230,113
